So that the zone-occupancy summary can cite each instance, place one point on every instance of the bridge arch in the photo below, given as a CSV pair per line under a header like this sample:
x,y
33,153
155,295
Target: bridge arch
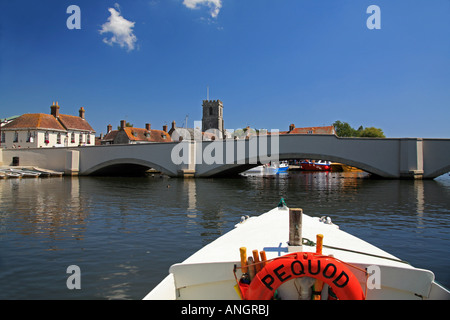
x,y
379,157
438,172
124,166
332,158
224,170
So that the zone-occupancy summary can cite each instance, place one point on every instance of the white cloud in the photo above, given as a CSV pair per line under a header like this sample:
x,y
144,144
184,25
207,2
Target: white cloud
x,y
214,5
121,29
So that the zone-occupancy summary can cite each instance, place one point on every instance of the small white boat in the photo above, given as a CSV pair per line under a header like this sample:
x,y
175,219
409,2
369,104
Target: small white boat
x,y
283,167
24,173
30,174
11,173
279,266
268,169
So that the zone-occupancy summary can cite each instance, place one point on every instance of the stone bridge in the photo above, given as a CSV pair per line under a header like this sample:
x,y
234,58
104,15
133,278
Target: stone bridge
x,y
393,158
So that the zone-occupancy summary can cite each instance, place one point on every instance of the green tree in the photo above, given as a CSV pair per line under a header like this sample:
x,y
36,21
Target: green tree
x,y
372,132
126,125
343,129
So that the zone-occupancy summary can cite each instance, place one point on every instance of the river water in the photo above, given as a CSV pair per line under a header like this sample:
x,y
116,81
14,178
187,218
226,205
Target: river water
x,y
124,232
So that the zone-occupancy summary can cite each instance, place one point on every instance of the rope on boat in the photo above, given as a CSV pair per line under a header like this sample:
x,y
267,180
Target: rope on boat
x,y
311,243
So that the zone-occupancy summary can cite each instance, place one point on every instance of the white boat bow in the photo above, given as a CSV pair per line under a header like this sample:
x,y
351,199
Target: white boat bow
x,y
214,271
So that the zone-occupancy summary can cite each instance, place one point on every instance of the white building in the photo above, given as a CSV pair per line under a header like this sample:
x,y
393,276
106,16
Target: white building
x,y
40,130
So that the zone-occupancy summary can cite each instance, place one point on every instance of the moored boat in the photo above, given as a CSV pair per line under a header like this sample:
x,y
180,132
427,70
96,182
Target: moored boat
x,y
283,167
268,169
8,173
285,254
313,165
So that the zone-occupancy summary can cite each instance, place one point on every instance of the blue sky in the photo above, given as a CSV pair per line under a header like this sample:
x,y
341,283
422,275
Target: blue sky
x,y
272,63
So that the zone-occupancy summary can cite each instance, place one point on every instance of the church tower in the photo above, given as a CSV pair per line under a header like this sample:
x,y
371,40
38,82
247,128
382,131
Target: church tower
x,y
213,116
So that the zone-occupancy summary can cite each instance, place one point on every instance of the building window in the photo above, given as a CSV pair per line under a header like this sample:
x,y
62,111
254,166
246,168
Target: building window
x,y
310,132
210,111
72,137
89,138
58,138
46,138
30,136
3,138
16,137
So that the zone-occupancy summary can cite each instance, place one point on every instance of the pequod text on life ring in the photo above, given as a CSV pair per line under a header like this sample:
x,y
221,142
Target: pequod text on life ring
x,y
299,264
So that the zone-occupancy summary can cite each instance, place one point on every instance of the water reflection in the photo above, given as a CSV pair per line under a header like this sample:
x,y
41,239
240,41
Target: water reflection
x,y
44,208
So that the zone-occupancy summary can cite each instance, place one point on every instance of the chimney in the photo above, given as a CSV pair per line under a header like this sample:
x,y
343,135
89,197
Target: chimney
x,y
165,128
108,128
173,125
54,109
291,127
122,124
148,126
81,113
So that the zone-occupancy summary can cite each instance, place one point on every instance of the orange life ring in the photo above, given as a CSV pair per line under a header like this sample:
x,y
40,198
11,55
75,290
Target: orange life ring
x,y
300,264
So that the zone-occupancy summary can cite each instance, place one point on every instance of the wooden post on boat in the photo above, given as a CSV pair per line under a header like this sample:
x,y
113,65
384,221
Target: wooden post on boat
x,y
251,268
318,285
257,261
243,252
263,258
295,228
245,276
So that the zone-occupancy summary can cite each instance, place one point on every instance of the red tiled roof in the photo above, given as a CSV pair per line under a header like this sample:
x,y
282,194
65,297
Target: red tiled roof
x,y
35,121
139,134
110,136
311,130
75,123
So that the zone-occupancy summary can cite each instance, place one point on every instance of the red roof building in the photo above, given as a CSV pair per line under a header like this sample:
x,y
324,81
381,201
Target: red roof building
x,y
131,135
310,130
40,130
